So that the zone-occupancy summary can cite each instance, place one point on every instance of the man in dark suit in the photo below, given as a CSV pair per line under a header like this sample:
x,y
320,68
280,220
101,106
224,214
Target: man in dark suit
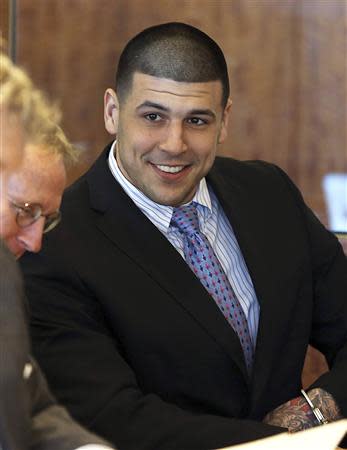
x,y
29,416
160,357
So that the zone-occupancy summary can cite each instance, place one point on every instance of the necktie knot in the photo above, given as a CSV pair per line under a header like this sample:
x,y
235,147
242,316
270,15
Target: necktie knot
x,y
185,218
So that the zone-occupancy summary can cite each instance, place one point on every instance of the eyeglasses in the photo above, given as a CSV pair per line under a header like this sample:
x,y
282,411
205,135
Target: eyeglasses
x,y
29,213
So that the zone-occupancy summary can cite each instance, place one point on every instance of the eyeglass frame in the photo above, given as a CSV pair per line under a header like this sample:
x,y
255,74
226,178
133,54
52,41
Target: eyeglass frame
x,y
33,215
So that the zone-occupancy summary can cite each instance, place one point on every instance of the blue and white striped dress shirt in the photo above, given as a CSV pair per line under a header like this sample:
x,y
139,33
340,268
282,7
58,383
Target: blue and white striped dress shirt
x,y
215,226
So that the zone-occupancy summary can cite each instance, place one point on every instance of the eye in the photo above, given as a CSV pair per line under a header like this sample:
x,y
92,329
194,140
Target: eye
x,y
32,210
15,205
197,121
19,209
153,117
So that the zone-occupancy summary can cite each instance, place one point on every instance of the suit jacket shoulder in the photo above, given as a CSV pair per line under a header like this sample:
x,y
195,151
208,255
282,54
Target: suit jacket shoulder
x,y
14,348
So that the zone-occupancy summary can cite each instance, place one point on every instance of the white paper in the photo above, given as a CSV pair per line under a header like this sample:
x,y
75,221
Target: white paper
x,y
324,437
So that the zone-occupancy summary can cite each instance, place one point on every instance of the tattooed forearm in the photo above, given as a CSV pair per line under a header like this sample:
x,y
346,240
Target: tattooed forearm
x,y
296,415
326,403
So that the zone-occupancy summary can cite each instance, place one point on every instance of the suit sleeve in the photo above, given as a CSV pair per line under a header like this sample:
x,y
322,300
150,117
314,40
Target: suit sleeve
x,y
329,321
90,372
52,426
14,348
29,413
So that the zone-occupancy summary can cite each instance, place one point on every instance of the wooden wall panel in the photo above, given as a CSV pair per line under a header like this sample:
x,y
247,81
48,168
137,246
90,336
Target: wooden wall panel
x,y
287,62
4,21
322,122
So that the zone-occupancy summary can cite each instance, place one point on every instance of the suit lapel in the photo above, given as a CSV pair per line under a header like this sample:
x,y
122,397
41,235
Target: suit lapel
x,y
254,230
132,232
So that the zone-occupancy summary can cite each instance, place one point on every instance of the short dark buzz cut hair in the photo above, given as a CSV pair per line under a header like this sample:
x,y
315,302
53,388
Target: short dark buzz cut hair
x,y
176,51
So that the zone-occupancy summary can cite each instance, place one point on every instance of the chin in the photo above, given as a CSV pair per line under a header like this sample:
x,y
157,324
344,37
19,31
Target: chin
x,y
168,202
176,200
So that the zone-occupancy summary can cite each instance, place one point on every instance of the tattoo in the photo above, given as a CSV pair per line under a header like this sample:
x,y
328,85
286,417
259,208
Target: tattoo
x,y
296,415
326,403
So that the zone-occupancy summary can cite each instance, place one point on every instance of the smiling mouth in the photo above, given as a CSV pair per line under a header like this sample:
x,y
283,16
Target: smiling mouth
x,y
169,169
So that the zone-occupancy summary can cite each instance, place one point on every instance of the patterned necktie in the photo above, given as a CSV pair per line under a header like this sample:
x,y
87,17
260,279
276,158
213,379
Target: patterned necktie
x,y
200,257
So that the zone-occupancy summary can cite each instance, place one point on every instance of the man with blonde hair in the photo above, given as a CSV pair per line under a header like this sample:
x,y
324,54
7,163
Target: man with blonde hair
x,y
25,113
32,182
34,192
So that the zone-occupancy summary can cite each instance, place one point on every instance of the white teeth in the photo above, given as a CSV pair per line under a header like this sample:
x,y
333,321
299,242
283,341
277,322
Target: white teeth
x,y
170,169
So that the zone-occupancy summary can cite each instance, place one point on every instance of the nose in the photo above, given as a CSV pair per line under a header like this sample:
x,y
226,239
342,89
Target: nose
x,y
174,139
31,237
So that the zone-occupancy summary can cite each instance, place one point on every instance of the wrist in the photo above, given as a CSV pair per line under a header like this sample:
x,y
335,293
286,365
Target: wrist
x,y
326,403
316,412
301,405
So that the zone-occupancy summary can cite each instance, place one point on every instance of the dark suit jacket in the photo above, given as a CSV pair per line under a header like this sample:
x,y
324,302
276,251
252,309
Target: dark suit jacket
x,y
135,347
29,416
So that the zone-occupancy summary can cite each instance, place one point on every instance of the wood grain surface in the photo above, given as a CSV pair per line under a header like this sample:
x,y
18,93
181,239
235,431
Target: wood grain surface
x,y
4,22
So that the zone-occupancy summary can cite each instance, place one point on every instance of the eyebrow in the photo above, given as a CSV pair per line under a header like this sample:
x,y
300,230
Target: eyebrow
x,y
148,104
197,112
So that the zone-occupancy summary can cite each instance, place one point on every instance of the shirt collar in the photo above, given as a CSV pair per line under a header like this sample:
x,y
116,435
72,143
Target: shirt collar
x,y
160,215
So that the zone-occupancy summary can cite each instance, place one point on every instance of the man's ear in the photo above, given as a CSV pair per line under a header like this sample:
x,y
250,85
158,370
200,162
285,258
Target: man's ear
x,y
225,120
111,111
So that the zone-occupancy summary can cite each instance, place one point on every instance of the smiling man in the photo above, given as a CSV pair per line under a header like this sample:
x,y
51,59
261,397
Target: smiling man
x,y
168,134
182,314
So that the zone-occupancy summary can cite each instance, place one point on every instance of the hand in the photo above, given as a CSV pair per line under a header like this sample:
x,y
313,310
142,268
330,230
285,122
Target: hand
x,y
296,415
326,403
